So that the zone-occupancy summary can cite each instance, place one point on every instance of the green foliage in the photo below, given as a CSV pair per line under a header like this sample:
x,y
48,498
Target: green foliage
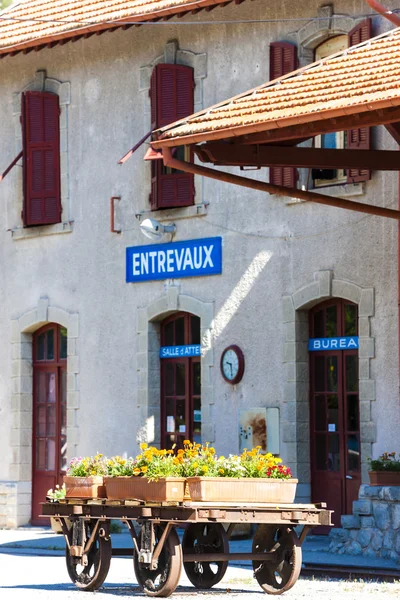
x,y
87,466
386,462
57,494
5,3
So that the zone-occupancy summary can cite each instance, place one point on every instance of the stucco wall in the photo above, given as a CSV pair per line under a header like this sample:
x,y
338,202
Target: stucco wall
x,y
281,245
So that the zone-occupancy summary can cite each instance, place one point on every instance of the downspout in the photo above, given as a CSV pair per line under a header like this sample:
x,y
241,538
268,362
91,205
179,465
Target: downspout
x,y
388,14
277,190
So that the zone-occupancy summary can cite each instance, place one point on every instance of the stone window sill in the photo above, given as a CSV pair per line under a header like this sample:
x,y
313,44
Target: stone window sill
x,y
197,210
346,190
19,233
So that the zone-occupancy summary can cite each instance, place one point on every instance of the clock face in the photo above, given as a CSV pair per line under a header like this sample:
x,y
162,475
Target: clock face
x,y
232,364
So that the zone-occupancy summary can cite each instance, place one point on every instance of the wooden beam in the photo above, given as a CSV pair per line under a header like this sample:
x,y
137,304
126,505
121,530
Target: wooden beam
x,y
221,153
394,130
367,119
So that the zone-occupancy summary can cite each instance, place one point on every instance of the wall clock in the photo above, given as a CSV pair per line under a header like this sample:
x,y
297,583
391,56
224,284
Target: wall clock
x,y
232,364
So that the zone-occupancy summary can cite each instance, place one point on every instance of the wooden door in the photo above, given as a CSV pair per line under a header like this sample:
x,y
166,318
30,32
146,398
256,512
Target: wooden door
x,y
334,411
49,444
180,383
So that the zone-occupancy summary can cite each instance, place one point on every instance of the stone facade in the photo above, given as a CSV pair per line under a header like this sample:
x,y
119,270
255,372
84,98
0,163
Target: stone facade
x,y
374,527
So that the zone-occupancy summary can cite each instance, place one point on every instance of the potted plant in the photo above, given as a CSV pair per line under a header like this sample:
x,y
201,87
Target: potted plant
x,y
84,478
155,476
250,477
384,470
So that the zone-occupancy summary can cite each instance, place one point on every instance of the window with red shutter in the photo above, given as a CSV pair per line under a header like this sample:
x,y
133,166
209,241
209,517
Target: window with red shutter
x,y
359,139
41,158
171,98
282,60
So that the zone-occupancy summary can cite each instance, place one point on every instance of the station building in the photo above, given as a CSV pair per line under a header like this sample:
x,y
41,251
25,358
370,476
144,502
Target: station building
x,y
109,338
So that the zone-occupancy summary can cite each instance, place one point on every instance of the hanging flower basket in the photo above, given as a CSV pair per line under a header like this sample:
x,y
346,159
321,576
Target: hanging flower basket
x,y
165,489
241,489
85,487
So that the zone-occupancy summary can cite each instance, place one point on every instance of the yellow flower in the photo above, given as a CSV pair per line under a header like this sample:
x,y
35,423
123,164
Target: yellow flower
x,y
143,446
204,469
136,471
195,465
221,471
144,469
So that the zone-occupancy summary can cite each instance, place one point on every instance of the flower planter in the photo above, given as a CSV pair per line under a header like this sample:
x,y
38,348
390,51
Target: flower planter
x,y
141,488
241,489
384,477
85,487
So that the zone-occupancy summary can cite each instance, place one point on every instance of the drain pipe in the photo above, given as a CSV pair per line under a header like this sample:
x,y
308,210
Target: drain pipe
x,y
277,190
388,14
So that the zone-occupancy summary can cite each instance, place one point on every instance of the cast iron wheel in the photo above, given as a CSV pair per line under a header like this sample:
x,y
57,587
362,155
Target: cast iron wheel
x,y
278,575
200,538
90,577
163,580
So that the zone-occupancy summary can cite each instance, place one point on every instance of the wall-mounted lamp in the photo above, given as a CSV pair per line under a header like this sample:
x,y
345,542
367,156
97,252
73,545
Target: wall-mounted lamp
x,y
155,230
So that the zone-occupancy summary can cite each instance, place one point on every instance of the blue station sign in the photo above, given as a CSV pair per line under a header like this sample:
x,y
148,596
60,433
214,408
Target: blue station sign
x,y
192,258
178,351
338,343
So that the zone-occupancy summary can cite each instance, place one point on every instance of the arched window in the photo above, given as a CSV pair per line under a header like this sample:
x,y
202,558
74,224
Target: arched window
x,y
49,444
180,382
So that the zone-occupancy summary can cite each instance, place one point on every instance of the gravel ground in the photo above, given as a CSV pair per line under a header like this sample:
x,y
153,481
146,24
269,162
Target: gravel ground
x,y
45,578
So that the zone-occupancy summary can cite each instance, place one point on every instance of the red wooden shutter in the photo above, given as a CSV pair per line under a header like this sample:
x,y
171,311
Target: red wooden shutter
x,y
41,141
282,60
359,139
172,98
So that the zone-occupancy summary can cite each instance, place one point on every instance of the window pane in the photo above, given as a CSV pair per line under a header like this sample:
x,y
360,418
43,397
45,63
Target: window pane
x,y
350,319
328,140
169,378
41,379
41,421
319,374
170,415
320,413
319,331
195,326
331,321
333,453
41,454
180,379
352,373
332,373
196,379
180,332
50,345
352,413
51,392
169,333
40,347
51,420
353,453
320,452
333,412
180,423
51,455
63,342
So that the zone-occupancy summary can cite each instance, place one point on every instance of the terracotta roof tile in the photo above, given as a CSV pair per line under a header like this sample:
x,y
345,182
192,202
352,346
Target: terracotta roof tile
x,y
359,79
29,23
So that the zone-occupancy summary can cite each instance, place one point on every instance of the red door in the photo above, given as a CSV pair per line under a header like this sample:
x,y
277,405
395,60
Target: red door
x,y
334,404
49,444
180,383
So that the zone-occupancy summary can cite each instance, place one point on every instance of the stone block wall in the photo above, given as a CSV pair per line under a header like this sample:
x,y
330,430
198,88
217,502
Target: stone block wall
x,y
374,527
15,504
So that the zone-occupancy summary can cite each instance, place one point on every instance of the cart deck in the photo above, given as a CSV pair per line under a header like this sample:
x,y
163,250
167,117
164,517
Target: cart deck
x,y
159,554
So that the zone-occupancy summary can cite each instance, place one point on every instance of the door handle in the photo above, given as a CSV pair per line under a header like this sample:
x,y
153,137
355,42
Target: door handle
x,y
349,477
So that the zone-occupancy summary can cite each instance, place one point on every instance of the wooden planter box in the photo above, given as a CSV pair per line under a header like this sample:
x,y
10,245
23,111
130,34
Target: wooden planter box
x,y
140,488
241,489
384,477
85,487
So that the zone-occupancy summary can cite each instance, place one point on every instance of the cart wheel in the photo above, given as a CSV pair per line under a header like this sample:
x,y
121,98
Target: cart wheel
x,y
200,538
163,580
279,575
91,576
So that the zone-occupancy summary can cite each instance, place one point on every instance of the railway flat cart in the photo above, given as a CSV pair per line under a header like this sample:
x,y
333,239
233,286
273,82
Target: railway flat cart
x,y
158,553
